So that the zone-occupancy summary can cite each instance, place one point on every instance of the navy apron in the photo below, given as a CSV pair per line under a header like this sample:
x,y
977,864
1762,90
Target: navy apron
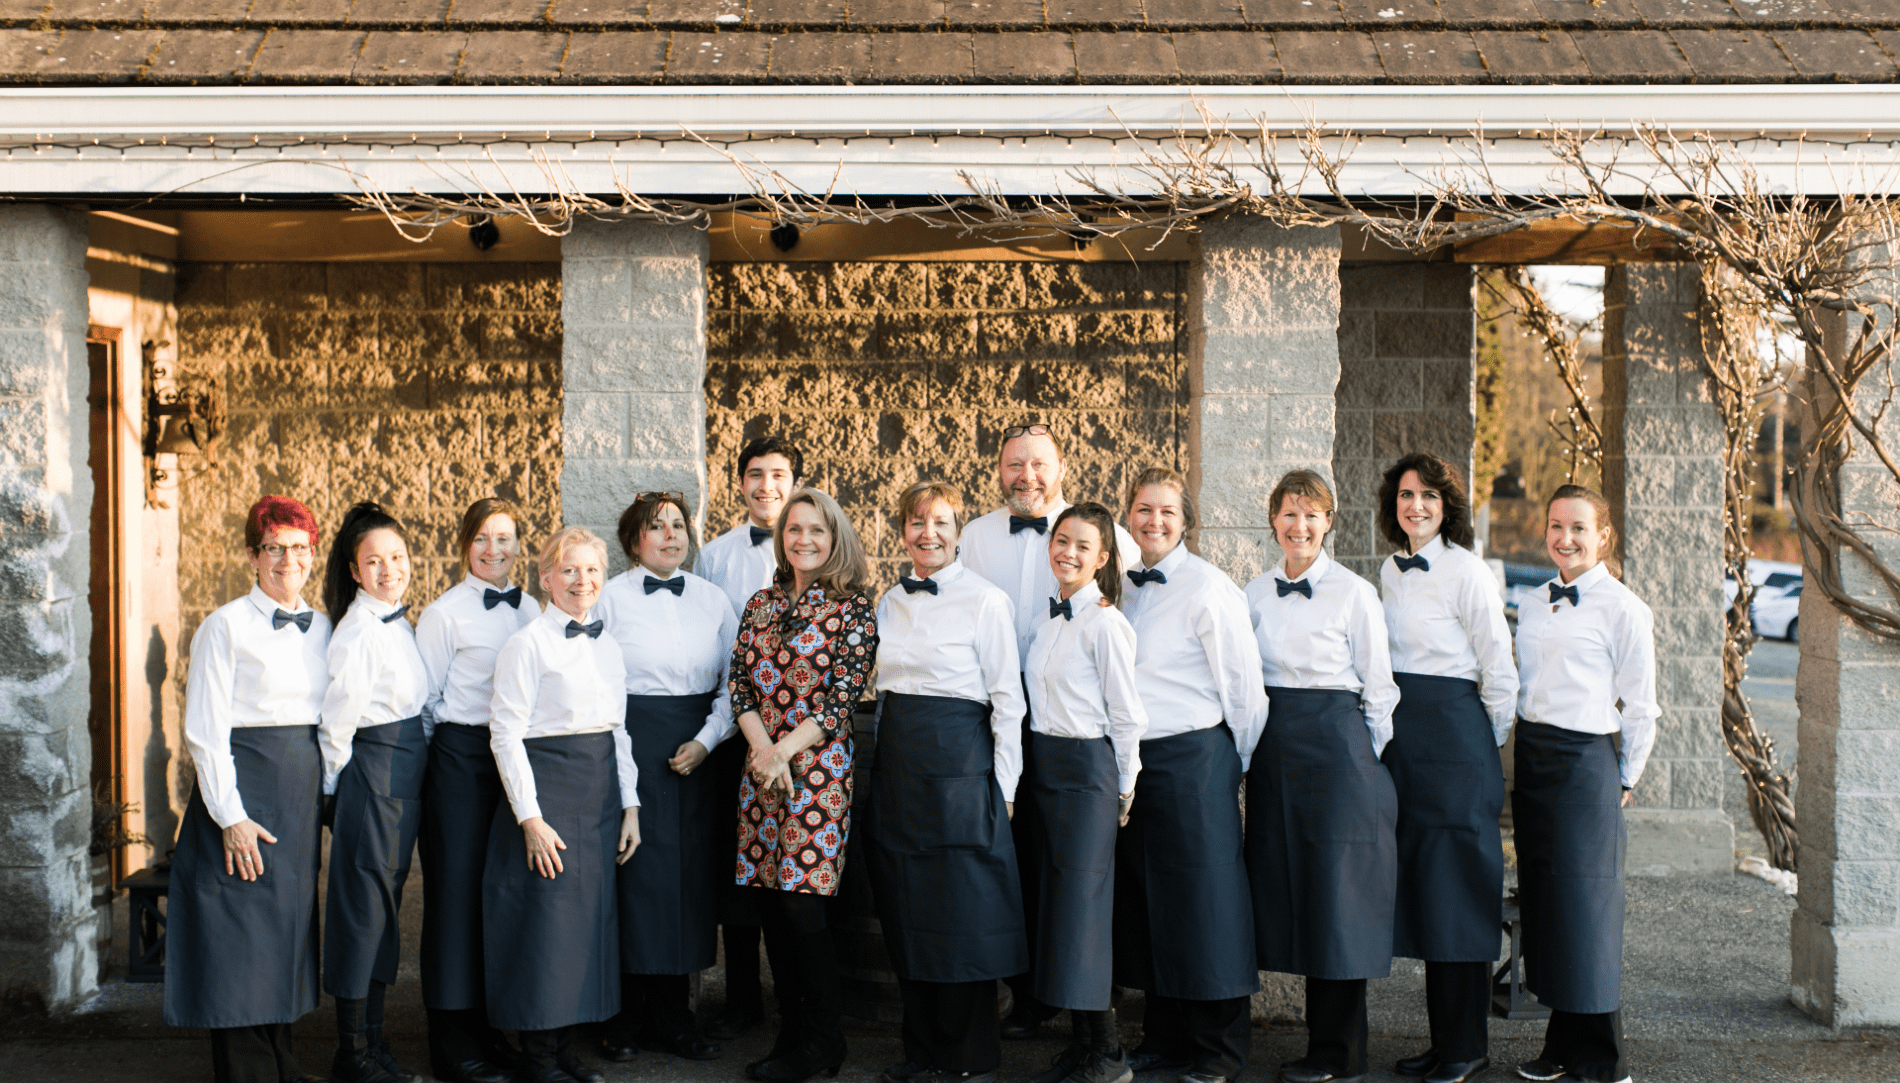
x,y
943,862
1075,788
1571,843
1180,865
1321,855
668,888
460,794
378,812
1444,762
736,903
243,953
551,947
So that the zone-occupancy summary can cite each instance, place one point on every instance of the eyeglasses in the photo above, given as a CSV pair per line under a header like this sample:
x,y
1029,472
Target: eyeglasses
x,y
276,552
669,494
1014,431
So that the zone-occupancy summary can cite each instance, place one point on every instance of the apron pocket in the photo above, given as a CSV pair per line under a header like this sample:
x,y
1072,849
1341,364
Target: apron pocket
x,y
951,813
1337,807
574,833
211,873
379,833
1448,795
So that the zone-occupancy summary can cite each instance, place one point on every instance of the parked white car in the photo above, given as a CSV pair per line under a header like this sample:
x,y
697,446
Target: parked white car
x,y
1776,613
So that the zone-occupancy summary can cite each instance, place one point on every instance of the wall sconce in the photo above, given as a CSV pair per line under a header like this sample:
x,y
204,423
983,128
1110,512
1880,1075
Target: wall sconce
x,y
180,419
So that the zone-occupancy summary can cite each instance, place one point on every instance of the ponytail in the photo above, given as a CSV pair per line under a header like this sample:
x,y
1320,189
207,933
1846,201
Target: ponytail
x,y
1601,508
339,585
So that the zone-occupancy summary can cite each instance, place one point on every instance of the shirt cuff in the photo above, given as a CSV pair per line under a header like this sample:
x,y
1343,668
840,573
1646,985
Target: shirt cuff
x,y
1381,736
329,782
527,810
713,734
1126,782
229,816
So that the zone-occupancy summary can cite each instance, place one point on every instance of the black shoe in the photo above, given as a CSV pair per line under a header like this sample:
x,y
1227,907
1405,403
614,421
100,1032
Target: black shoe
x,y
1540,1069
815,1056
619,1049
388,1061
1062,1066
1418,1065
1199,1076
469,1071
1299,1071
306,1077
360,1066
570,1062
734,1023
1457,1071
1025,1019
1101,1068
685,1046
1139,1061
903,1073
941,1076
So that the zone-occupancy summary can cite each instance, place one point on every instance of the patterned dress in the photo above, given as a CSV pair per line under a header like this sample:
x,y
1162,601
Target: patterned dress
x,y
810,663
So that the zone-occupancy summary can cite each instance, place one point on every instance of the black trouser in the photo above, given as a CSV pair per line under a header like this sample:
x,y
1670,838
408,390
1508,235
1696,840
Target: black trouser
x,y
460,1035
654,1006
259,1054
804,964
1458,1003
1025,828
1336,1025
745,994
951,1026
1587,1046
1213,1036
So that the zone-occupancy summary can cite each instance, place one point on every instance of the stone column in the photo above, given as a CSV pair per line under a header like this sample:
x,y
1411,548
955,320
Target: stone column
x,y
633,362
47,950
1662,472
1263,363
1846,929
1405,385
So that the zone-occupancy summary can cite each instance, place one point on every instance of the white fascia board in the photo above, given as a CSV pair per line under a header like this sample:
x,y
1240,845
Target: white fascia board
x,y
869,141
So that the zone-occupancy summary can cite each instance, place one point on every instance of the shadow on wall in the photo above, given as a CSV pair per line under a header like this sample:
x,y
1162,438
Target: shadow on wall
x,y
161,819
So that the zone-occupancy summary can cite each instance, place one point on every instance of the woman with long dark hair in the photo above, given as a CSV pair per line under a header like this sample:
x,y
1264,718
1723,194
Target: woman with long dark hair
x,y
375,748
804,654
1320,807
675,632
1587,672
1086,725
458,637
1451,659
241,934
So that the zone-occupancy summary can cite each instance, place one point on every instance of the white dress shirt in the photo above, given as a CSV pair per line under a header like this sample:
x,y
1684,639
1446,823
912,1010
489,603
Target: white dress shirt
x,y
1335,639
458,638
674,646
1447,620
1195,661
550,685
1082,680
376,677
733,564
958,643
246,673
1019,564
1575,662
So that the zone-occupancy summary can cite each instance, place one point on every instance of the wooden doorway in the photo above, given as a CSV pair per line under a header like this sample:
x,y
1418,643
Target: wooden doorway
x,y
106,594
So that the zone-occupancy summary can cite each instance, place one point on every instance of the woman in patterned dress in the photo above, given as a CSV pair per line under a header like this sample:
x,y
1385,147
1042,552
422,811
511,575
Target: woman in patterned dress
x,y
805,651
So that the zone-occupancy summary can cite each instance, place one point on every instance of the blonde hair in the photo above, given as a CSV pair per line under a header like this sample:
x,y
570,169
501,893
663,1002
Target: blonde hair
x,y
1305,484
920,496
569,537
846,571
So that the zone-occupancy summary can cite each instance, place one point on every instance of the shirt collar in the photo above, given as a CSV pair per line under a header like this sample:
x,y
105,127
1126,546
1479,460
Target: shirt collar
x,y
558,617
479,585
1432,549
1597,574
371,605
1313,574
1171,563
947,574
1082,599
268,606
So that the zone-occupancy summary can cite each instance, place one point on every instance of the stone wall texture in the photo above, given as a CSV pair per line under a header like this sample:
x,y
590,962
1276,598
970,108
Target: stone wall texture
x,y
423,386
48,956
634,359
1662,469
890,373
1263,362
1405,385
1846,929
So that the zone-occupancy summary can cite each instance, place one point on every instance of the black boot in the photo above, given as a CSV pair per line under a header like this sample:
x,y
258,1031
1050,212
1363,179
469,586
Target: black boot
x,y
455,1053
822,1045
540,1053
356,1060
569,1059
373,1031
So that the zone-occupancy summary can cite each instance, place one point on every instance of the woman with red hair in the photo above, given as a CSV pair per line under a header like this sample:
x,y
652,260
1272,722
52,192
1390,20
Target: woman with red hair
x,y
241,934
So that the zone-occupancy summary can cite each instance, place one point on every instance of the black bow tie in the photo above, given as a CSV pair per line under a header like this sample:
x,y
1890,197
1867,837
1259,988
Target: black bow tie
x,y
1557,592
492,597
1285,588
1406,564
912,586
759,533
1018,524
677,585
1060,609
576,628
301,620
1139,577
397,615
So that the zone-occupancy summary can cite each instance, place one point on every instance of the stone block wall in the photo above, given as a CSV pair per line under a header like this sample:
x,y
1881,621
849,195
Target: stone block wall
x,y
634,305
1405,384
1263,305
47,950
424,386
891,373
1662,469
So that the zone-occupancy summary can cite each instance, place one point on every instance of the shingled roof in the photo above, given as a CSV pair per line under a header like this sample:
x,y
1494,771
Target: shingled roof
x,y
845,42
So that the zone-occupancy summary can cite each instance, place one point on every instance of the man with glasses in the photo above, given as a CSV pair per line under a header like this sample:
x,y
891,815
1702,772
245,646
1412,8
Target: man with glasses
x,y
1010,548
